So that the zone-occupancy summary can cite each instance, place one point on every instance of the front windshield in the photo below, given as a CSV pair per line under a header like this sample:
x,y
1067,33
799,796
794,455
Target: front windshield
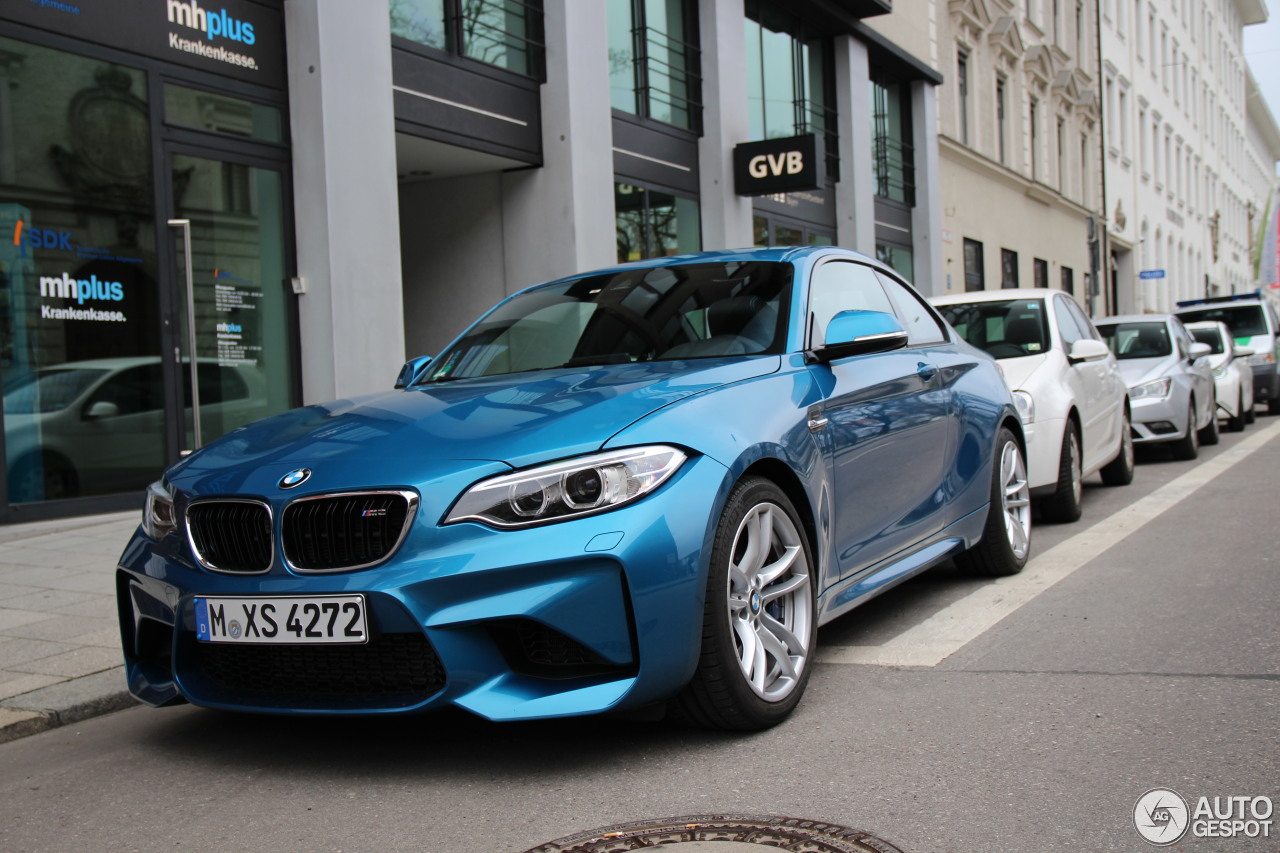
x,y
1005,329
1244,321
1137,339
651,314
48,390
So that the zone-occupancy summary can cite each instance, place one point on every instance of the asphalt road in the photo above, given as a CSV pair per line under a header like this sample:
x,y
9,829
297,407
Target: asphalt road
x,y
1150,657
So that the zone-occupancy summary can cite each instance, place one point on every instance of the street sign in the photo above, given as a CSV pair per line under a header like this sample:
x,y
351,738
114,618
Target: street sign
x,y
1151,274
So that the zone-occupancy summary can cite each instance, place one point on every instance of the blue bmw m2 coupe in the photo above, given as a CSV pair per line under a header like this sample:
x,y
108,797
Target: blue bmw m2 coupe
x,y
644,486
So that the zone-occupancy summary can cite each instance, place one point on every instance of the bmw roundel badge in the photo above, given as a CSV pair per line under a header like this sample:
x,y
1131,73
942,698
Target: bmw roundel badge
x,y
295,478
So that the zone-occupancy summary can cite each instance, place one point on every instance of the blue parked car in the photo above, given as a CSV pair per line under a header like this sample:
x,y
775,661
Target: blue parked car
x,y
639,486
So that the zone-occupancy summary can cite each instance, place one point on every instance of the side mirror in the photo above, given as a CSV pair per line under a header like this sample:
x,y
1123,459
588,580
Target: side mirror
x,y
858,333
101,409
413,368
1242,352
1087,349
1199,351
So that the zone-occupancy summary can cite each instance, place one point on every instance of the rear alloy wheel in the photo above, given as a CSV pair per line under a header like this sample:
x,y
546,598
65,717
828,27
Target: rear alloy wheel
x,y
1209,435
1065,503
1006,538
1119,471
1236,422
1188,447
759,621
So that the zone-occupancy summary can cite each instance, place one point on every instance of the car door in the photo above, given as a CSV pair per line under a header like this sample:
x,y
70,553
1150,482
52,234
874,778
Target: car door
x,y
1198,372
882,428
1093,385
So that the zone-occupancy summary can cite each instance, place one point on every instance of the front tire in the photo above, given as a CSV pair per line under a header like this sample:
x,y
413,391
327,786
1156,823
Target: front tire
x,y
1188,447
1065,504
1236,422
759,622
1119,471
1006,538
1209,435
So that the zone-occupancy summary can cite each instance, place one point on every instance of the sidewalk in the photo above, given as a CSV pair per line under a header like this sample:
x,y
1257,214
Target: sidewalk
x,y
60,659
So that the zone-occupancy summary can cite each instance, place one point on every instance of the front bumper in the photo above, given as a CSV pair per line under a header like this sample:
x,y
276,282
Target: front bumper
x,y
1157,420
593,614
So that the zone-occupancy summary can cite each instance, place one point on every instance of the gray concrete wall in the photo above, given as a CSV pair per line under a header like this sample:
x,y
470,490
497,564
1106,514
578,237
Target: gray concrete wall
x,y
451,238
348,239
558,219
855,192
726,217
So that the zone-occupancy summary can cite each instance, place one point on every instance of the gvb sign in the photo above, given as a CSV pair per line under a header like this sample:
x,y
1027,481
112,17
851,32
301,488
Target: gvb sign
x,y
778,165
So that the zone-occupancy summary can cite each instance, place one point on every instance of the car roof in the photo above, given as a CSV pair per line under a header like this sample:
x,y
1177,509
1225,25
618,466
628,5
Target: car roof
x,y
783,254
996,295
1135,318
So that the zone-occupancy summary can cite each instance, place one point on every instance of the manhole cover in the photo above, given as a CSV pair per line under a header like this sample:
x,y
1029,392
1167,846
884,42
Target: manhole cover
x,y
720,834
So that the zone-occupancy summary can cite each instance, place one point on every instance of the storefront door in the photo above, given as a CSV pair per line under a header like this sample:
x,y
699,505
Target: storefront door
x,y
227,228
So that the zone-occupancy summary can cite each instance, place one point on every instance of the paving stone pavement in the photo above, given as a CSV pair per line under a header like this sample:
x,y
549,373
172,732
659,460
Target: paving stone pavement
x,y
59,645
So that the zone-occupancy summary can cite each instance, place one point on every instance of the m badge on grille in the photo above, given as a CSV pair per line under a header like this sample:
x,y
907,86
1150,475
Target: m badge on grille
x,y
295,478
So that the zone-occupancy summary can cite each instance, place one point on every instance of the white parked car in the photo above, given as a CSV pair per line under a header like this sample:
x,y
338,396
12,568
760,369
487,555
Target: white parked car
x,y
1073,402
1171,389
1232,373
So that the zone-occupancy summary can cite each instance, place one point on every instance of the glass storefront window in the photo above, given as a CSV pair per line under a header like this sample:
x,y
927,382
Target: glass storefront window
x,y
221,114
79,306
653,224
897,257
769,231
891,139
651,58
502,33
420,21
788,79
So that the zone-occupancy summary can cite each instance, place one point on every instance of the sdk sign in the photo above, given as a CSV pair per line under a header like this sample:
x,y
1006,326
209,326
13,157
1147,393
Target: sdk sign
x,y
778,165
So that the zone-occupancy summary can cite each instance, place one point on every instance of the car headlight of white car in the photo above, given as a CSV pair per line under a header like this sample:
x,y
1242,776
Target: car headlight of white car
x,y
1026,406
569,489
1262,358
1151,390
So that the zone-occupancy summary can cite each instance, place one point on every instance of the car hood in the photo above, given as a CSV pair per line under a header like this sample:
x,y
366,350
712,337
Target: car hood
x,y
413,436
1018,371
1135,371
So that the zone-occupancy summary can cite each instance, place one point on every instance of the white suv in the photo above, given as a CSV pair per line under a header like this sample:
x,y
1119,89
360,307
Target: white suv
x,y
1074,405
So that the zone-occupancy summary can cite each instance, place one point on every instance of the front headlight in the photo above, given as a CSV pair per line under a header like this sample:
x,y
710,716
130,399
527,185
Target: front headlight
x,y
1261,358
1158,388
158,520
1026,406
1219,372
569,489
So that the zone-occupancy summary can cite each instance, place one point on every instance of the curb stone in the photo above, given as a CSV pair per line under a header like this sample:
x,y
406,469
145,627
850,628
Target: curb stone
x,y
64,703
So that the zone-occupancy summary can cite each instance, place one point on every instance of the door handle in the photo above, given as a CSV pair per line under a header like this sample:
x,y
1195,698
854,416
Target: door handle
x,y
926,371
185,225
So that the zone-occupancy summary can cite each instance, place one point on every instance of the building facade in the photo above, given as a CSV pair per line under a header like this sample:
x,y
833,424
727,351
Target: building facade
x,y
303,194
1190,150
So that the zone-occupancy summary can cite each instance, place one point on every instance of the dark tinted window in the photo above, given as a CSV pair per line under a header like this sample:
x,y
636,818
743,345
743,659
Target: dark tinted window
x,y
1137,339
1242,320
672,312
1210,337
1005,329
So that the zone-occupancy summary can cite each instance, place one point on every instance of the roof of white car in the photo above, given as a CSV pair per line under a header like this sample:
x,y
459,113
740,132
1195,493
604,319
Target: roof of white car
x,y
995,295
1134,318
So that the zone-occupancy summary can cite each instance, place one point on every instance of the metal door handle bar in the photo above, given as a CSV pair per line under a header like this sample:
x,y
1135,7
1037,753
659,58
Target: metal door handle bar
x,y
185,225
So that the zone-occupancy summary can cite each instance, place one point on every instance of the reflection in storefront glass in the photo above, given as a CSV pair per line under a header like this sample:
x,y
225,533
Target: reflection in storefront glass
x,y
79,353
221,114
653,224
237,237
898,257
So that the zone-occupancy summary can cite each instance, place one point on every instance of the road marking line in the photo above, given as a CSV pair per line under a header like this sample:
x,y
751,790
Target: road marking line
x,y
950,629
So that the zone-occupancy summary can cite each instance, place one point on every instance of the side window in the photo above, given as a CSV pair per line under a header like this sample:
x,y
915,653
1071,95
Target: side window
x,y
1082,321
1068,326
921,324
842,286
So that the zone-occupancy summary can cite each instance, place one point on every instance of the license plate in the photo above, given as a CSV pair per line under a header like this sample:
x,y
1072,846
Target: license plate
x,y
291,620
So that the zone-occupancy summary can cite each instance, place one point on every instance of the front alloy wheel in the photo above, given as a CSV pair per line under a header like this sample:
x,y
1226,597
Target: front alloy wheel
x,y
1006,538
759,623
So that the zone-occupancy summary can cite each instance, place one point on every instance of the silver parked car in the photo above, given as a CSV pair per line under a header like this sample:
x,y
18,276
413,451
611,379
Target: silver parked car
x,y
1171,390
